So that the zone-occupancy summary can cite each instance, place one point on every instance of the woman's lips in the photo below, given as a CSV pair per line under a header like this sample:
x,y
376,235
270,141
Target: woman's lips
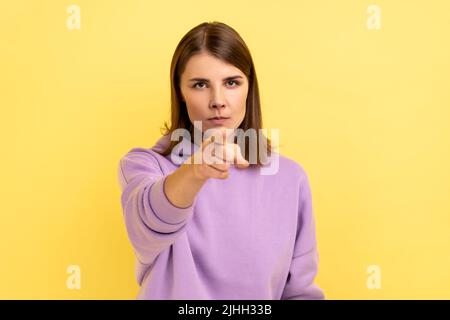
x,y
218,121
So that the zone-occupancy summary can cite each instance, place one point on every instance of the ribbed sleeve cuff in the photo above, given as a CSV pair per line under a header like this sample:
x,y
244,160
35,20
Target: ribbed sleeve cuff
x,y
164,209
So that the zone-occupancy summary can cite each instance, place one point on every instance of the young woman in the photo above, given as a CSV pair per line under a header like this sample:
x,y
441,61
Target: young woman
x,y
218,229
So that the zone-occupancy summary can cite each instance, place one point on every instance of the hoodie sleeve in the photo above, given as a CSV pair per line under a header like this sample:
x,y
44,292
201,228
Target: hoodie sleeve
x,y
153,223
305,260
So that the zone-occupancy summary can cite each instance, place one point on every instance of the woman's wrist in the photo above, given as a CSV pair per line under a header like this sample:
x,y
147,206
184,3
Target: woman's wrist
x,y
182,186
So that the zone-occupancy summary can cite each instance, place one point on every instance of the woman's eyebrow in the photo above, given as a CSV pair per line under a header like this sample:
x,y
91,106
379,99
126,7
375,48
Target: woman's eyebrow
x,y
206,80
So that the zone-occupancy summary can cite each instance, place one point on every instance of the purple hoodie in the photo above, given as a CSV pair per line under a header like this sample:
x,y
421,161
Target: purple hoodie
x,y
250,236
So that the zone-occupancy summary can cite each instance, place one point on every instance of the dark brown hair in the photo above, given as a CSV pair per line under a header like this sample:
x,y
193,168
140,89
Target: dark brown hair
x,y
224,43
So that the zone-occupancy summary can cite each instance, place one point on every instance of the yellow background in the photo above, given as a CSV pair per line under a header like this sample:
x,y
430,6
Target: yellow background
x,y
365,112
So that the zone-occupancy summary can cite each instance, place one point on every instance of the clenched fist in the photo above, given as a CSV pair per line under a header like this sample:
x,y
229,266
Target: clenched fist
x,y
215,155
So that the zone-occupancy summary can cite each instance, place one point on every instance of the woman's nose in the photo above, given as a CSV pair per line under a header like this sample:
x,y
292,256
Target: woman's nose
x,y
217,100
217,105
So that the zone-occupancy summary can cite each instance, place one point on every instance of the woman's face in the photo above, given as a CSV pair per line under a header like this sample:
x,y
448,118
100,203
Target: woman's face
x,y
212,88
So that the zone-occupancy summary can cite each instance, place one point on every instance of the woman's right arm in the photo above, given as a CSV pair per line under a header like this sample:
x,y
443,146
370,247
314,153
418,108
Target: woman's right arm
x,y
156,207
152,222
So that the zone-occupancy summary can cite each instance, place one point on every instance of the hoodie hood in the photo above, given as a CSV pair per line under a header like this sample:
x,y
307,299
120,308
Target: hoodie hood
x,y
181,151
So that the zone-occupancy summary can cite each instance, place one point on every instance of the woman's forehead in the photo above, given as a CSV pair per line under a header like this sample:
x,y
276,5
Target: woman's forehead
x,y
209,67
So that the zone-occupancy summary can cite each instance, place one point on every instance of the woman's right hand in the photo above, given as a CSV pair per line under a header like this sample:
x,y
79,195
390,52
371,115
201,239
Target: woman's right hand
x,y
214,157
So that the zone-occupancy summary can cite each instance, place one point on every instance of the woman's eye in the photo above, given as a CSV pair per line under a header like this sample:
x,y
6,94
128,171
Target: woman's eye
x,y
236,83
195,85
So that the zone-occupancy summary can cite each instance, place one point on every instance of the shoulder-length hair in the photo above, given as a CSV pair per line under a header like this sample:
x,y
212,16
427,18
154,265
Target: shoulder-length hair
x,y
224,43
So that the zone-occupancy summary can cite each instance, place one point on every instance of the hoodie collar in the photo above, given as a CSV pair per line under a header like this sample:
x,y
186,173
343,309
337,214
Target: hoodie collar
x,y
181,151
